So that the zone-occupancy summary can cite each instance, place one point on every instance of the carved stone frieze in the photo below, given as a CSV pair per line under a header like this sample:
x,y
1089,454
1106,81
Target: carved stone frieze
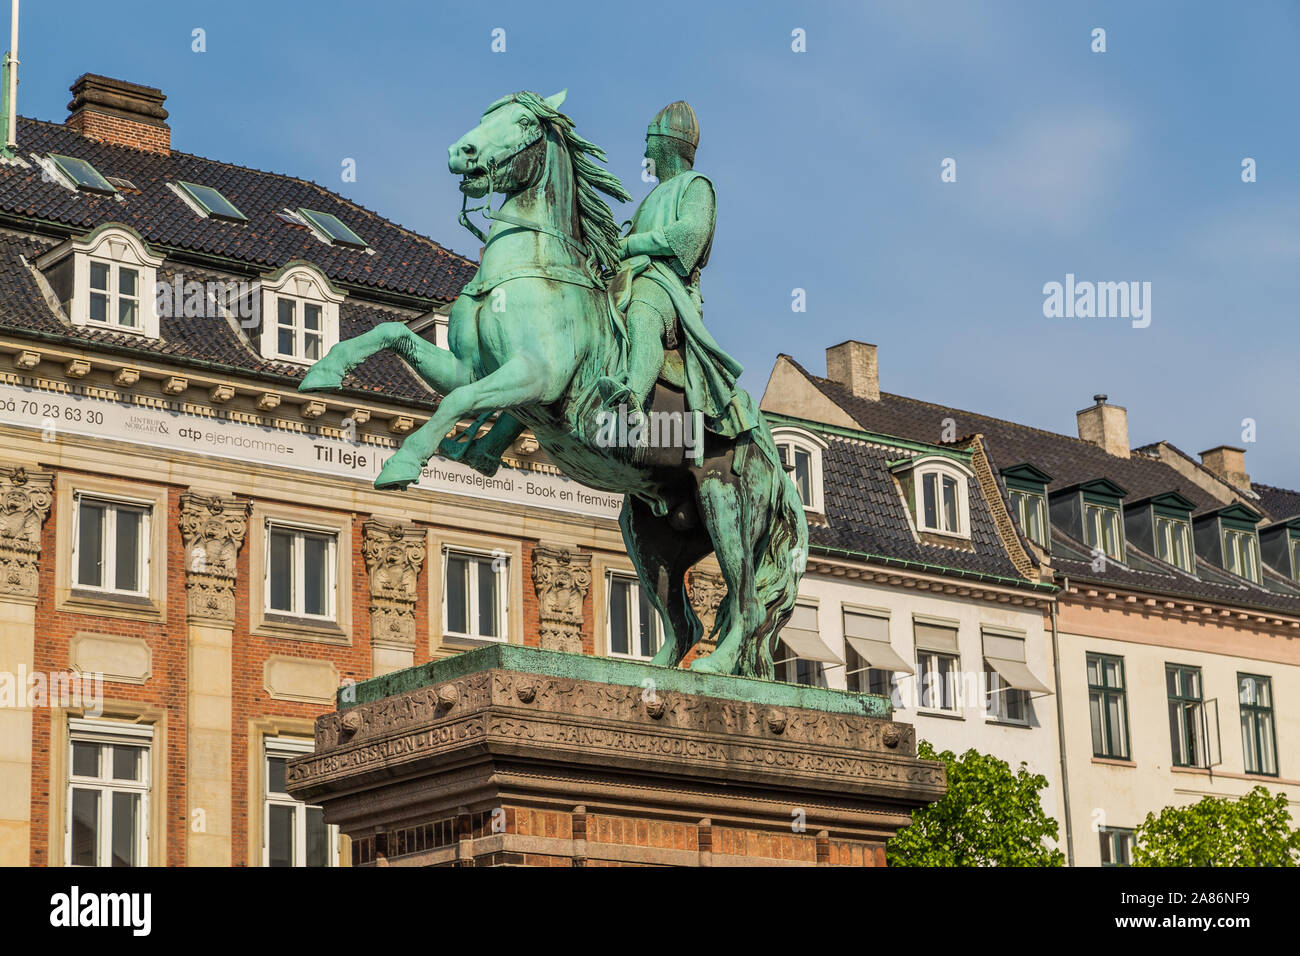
x,y
394,554
25,498
213,530
562,578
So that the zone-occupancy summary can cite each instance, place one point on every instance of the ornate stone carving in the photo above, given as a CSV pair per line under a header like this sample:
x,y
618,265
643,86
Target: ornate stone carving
x,y
24,505
213,530
707,591
562,579
394,554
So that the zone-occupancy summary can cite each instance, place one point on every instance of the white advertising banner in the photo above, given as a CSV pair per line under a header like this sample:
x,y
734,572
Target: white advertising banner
x,y
53,414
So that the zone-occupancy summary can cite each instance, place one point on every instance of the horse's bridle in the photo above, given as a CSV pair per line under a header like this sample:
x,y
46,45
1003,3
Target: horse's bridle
x,y
498,215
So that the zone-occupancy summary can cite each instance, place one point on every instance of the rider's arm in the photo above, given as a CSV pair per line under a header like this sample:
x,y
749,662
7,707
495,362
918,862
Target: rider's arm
x,y
684,239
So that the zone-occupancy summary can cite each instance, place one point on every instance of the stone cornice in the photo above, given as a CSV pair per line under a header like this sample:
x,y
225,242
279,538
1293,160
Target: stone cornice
x,y
898,577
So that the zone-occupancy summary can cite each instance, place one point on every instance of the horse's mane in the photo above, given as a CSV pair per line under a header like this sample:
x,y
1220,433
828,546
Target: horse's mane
x,y
594,216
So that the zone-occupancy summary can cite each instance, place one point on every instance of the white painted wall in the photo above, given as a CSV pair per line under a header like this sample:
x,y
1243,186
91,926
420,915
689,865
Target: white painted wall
x,y
1103,793
1036,744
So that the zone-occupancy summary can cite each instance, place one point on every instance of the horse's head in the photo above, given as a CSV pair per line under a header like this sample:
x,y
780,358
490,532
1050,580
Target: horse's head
x,y
508,130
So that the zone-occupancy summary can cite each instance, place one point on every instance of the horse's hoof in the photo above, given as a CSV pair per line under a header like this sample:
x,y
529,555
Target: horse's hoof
x,y
320,379
397,475
706,665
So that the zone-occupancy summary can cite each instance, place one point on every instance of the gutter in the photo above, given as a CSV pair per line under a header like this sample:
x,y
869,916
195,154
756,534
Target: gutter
x,y
1041,587
1060,736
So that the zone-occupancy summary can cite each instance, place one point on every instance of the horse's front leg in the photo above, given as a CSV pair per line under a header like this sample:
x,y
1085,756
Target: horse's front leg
x,y
440,368
523,380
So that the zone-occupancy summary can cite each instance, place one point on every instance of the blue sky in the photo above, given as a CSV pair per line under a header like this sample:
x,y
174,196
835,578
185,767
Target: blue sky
x,y
1115,166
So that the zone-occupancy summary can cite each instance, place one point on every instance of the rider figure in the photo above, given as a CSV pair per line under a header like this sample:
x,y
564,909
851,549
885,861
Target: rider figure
x,y
667,246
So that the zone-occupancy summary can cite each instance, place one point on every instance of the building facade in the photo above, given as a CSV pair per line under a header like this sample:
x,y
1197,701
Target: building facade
x,y
194,557
1174,633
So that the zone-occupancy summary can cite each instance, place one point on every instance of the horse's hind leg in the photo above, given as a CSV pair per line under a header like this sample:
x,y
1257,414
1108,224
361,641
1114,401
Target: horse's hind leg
x,y
440,368
733,525
662,555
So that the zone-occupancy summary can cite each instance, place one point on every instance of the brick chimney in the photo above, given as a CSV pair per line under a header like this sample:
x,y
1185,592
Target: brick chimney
x,y
121,113
853,365
1105,426
1228,463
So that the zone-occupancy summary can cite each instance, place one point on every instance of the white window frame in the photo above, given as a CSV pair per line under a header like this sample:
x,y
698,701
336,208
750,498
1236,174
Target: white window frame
x,y
922,655
788,440
290,747
1021,501
1098,532
108,539
105,733
117,247
299,558
942,468
502,575
633,618
304,285
1231,555
1165,528
996,694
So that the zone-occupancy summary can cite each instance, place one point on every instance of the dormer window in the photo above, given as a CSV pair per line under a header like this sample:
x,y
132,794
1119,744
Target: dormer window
x,y
106,280
1090,512
1027,494
300,315
1295,558
801,453
1241,553
1228,537
1174,541
938,490
1102,530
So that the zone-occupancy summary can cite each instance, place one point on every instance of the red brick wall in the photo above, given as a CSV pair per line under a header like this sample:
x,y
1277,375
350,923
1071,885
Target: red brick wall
x,y
165,687
121,132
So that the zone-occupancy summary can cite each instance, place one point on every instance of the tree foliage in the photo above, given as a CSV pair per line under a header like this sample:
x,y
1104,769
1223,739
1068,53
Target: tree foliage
x,y
1254,830
990,816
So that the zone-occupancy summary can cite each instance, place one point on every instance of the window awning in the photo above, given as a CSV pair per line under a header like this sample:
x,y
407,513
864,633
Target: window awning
x,y
1006,655
809,646
879,655
1017,674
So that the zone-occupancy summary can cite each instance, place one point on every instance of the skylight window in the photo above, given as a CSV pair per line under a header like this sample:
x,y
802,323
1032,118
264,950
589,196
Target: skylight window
x,y
83,174
212,202
333,227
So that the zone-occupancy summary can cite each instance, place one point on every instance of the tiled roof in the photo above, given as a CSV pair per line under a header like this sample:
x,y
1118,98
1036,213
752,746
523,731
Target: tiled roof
x,y
866,515
403,261
207,339
1070,461
1279,503
1067,459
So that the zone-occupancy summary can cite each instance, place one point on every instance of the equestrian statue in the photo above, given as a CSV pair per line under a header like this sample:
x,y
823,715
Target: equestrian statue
x,y
568,323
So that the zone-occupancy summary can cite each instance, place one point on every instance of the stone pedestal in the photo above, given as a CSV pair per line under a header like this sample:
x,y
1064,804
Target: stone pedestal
x,y
511,755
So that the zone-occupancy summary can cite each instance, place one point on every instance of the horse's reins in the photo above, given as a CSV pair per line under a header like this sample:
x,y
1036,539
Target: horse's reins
x,y
499,216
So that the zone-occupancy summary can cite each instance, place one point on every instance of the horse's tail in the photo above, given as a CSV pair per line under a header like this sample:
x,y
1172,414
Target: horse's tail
x,y
780,555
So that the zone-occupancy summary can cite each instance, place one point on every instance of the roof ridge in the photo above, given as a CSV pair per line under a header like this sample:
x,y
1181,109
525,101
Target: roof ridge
x,y
263,172
918,401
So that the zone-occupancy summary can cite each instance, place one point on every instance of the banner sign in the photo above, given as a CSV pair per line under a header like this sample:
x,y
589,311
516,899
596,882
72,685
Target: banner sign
x,y
53,414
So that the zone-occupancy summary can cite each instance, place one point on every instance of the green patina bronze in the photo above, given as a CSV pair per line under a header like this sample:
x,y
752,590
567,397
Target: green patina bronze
x,y
566,321
611,670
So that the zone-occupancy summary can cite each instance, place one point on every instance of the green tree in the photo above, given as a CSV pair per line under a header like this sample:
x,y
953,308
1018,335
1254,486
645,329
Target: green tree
x,y
1254,830
990,816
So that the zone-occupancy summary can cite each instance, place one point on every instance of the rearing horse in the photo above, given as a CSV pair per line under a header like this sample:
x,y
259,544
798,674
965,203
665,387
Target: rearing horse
x,y
530,336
